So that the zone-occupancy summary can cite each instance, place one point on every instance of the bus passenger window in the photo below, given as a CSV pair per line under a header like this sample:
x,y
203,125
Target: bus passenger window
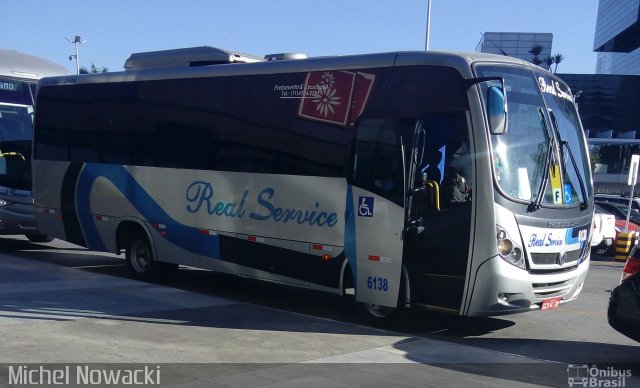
x,y
378,158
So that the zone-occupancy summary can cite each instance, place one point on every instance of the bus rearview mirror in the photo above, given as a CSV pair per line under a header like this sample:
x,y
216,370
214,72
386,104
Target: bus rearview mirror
x,y
497,110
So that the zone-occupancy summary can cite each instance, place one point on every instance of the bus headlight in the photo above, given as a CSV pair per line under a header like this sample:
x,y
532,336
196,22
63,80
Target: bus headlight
x,y
3,203
505,247
509,250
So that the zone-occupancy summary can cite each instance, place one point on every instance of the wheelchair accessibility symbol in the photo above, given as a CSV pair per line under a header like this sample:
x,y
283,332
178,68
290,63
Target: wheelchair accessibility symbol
x,y
365,206
568,198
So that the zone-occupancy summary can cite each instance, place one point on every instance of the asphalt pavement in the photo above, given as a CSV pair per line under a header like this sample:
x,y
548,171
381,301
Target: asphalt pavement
x,y
68,316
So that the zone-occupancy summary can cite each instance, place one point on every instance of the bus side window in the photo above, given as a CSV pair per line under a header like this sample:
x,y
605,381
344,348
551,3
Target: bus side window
x,y
378,158
446,156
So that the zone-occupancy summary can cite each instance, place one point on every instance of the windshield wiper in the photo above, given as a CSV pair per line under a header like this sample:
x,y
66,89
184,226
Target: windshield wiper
x,y
583,190
535,204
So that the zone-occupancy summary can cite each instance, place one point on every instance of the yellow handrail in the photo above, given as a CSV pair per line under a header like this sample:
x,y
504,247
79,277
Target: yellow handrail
x,y
434,191
5,154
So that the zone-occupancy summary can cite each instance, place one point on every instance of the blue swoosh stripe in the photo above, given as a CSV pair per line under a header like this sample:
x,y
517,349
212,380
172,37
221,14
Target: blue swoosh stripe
x,y
569,239
183,236
350,235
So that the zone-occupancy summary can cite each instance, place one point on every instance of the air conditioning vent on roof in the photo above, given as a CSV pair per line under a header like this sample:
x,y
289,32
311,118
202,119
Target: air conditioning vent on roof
x,y
283,56
186,57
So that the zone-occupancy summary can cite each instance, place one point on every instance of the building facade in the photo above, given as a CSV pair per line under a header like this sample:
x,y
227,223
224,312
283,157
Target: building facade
x,y
517,44
608,104
608,107
617,37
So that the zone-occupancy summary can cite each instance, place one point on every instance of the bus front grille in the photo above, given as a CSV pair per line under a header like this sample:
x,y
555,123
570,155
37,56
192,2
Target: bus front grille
x,y
552,258
547,290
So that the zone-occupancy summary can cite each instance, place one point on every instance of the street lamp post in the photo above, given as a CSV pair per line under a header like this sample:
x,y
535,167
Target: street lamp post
x,y
76,41
426,42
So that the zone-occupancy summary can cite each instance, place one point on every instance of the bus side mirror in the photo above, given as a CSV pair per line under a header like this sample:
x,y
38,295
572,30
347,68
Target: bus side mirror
x,y
497,110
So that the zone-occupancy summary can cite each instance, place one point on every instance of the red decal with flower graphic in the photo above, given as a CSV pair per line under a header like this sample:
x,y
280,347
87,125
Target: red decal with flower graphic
x,y
327,96
332,96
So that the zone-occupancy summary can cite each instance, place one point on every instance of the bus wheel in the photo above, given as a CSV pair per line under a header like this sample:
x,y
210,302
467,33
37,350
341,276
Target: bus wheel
x,y
377,315
140,259
384,316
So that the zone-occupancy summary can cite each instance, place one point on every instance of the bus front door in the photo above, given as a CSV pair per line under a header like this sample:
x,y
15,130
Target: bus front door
x,y
375,217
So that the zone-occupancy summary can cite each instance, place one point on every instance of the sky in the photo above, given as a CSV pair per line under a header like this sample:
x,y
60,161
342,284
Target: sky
x,y
113,29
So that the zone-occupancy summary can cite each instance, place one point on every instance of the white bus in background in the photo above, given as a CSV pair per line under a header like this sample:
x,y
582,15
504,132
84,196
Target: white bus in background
x,y
19,74
399,178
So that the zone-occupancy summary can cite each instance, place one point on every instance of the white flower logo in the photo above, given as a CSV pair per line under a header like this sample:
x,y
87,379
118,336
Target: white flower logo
x,y
325,97
327,79
326,100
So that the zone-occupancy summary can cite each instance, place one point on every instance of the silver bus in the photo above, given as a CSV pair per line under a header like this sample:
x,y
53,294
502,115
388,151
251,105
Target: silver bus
x,y
445,181
19,74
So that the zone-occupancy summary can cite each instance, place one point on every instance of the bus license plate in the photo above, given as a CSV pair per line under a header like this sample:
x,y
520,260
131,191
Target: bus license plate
x,y
551,303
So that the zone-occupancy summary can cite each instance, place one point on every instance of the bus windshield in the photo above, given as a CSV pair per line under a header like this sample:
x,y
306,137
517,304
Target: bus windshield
x,y
519,156
564,120
16,132
19,77
533,150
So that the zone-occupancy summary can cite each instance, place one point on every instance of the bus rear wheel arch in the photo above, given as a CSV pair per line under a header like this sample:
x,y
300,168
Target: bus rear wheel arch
x,y
139,254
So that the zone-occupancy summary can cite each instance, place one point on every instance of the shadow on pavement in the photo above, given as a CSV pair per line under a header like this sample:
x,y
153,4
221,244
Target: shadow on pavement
x,y
251,291
542,361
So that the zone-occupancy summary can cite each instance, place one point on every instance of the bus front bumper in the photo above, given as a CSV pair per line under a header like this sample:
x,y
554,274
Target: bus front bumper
x,y
17,218
501,288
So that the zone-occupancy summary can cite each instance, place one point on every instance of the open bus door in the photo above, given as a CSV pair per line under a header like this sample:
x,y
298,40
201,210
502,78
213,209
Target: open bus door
x,y
438,212
375,216
409,222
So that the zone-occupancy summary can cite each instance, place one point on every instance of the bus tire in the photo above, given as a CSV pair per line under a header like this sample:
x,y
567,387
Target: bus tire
x,y
39,238
140,260
370,313
376,315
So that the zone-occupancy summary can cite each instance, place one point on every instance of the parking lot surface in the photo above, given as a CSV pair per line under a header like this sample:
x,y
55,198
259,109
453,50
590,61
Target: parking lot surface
x,y
69,315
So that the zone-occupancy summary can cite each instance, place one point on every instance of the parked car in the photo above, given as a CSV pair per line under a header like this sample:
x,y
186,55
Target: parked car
x,y
620,210
623,313
603,231
620,222
635,202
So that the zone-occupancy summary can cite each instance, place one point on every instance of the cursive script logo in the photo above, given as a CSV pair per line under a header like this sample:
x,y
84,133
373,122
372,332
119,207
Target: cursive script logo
x,y
546,240
554,88
200,194
15,193
200,198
